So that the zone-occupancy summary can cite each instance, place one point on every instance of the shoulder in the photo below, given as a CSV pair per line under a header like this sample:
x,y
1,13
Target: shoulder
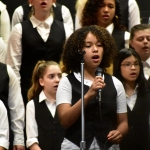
x,y
2,6
17,28
127,35
64,84
30,104
2,108
1,105
19,9
64,81
117,83
132,3
64,8
114,79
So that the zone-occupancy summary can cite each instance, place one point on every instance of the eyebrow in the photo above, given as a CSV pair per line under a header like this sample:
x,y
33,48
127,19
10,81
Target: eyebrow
x,y
130,61
91,42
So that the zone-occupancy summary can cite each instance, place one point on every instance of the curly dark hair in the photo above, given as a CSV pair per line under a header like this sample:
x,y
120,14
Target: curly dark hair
x,y
71,57
90,14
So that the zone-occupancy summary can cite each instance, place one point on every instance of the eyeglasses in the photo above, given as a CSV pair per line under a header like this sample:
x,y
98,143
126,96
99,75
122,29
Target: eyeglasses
x,y
129,65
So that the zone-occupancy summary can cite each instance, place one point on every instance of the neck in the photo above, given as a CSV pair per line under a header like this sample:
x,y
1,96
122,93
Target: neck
x,y
89,74
41,17
130,87
144,59
104,25
51,97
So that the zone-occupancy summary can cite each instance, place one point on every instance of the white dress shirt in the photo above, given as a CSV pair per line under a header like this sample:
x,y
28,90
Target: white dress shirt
x,y
31,124
14,49
4,31
16,106
133,17
66,15
132,99
146,68
134,14
64,95
4,127
110,29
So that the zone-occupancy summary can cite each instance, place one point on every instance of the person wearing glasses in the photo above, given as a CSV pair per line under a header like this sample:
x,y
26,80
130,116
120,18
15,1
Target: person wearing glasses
x,y
128,69
140,41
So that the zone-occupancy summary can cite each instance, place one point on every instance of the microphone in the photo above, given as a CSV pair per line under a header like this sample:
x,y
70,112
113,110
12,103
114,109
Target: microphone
x,y
99,72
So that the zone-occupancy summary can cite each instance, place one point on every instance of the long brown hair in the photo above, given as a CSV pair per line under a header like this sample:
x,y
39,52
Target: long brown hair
x,y
38,72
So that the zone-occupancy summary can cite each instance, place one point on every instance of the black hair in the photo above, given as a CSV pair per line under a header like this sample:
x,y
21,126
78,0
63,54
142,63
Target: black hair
x,y
71,57
141,81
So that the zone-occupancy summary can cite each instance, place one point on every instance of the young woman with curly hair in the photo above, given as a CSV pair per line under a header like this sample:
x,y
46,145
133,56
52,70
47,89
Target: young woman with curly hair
x,y
106,13
105,121
129,11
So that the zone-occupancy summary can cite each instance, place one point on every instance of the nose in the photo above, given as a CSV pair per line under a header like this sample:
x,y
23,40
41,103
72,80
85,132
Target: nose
x,y
57,79
145,40
95,49
132,66
106,9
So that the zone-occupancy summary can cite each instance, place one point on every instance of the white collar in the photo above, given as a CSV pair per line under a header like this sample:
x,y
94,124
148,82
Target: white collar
x,y
42,97
86,81
110,28
148,61
35,22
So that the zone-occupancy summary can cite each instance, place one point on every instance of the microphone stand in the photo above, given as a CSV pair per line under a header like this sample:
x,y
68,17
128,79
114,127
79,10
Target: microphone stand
x,y
82,143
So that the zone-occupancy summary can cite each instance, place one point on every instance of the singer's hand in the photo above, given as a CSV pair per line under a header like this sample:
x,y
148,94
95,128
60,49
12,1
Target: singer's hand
x,y
97,84
114,136
34,146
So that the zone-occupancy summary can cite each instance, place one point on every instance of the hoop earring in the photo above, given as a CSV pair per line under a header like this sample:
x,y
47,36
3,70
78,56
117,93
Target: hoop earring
x,y
51,10
116,16
32,10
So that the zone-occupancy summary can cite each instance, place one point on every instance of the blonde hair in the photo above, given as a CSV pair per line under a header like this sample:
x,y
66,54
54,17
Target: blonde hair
x,y
79,7
38,72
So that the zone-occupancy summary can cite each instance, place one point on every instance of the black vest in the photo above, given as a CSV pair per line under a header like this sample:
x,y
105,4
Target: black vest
x,y
35,49
94,125
4,91
124,12
56,10
118,36
50,131
138,121
70,4
4,82
144,6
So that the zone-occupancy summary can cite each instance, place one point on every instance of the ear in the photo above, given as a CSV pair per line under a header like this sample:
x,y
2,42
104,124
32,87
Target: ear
x,y
41,82
30,2
131,43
